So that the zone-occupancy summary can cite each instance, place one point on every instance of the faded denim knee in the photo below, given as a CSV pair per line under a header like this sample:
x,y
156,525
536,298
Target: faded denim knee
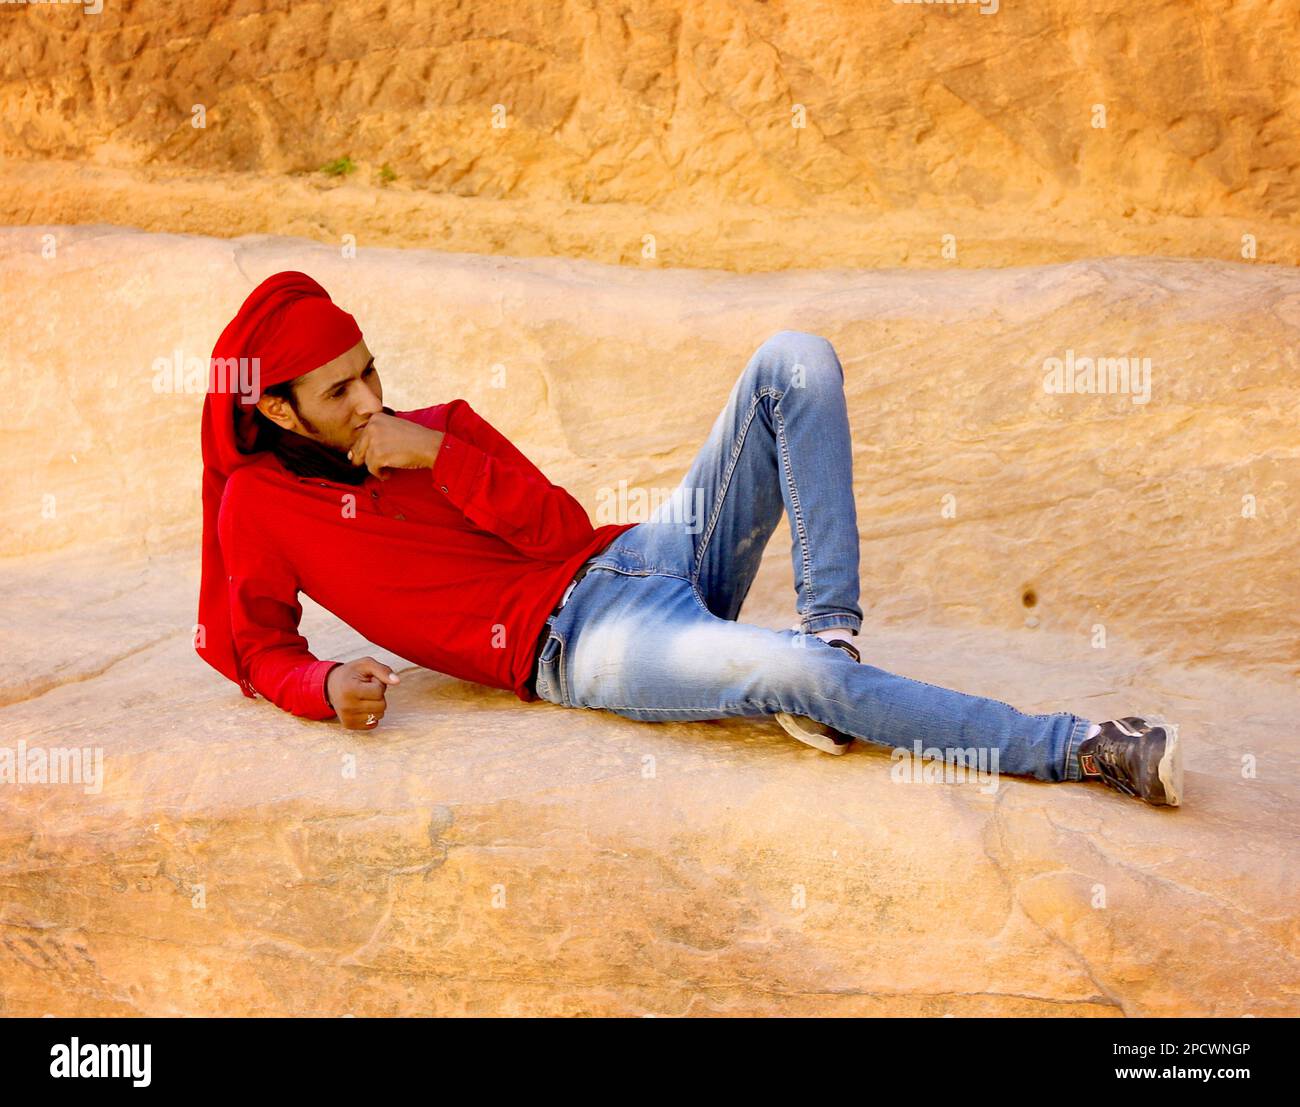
x,y
800,360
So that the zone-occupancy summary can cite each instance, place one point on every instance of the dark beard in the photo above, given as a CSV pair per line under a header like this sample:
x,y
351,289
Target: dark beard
x,y
306,457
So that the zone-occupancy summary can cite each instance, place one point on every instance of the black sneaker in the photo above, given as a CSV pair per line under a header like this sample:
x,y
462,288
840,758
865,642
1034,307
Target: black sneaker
x,y
820,736
1136,756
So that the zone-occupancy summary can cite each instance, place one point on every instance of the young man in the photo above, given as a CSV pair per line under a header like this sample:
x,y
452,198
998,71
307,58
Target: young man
x,y
433,536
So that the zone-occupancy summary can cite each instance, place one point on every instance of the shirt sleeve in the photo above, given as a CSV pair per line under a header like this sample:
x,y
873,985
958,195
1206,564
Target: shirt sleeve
x,y
498,489
264,617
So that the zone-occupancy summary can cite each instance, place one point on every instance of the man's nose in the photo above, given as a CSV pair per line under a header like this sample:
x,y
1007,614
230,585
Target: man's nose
x,y
368,403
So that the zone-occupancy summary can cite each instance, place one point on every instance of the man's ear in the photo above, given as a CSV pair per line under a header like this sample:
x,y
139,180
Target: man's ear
x,y
277,409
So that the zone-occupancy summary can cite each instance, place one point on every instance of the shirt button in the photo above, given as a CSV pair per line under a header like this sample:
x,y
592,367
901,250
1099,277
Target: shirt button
x,y
444,488
373,494
400,517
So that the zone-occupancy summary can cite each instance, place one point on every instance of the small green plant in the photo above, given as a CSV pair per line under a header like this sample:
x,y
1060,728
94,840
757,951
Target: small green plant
x,y
386,174
339,167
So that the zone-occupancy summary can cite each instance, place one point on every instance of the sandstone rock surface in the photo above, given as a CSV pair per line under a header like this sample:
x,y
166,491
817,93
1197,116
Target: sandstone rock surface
x,y
741,136
491,857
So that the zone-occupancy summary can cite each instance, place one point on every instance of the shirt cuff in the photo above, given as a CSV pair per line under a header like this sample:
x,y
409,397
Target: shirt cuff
x,y
458,467
314,684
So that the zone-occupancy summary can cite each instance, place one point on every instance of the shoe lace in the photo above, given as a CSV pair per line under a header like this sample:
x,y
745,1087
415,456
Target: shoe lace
x,y
1110,751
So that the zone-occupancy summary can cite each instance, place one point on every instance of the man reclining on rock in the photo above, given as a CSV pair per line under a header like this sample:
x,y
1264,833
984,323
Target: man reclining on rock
x,y
433,536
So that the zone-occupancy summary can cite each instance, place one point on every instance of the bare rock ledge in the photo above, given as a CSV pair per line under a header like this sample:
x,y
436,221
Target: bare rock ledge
x,y
476,855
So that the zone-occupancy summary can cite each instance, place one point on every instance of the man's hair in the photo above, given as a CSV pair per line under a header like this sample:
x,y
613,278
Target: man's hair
x,y
268,433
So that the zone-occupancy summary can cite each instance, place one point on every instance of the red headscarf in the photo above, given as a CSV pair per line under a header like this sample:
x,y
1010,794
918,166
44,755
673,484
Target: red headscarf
x,y
290,326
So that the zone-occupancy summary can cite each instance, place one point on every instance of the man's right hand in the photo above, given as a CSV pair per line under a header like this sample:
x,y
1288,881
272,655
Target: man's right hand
x,y
356,689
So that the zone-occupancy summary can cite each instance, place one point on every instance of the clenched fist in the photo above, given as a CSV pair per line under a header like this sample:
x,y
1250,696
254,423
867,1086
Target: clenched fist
x,y
389,442
356,689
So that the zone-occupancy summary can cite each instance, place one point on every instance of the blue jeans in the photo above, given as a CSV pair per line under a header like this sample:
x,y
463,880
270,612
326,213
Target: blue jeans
x,y
650,632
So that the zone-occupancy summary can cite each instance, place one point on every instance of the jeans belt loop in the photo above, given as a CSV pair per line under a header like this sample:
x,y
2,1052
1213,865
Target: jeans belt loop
x,y
546,626
583,569
567,592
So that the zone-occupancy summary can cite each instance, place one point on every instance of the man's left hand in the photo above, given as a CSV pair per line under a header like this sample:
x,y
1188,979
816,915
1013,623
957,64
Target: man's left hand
x,y
387,442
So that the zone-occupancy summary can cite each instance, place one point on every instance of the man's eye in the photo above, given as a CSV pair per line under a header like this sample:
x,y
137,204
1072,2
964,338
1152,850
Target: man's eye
x,y
343,387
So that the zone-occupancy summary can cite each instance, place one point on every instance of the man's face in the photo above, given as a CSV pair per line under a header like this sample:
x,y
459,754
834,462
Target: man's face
x,y
334,401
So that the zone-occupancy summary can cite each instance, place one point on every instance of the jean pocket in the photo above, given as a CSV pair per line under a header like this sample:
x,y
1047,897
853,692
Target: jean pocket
x,y
550,663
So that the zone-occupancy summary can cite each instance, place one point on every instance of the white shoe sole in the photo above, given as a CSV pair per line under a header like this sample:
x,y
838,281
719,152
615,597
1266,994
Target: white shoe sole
x,y
796,727
799,727
1170,769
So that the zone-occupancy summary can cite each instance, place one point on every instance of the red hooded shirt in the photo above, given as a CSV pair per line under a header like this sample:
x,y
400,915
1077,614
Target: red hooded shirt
x,y
454,568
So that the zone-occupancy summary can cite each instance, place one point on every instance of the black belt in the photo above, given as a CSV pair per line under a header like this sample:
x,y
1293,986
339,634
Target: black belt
x,y
583,570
